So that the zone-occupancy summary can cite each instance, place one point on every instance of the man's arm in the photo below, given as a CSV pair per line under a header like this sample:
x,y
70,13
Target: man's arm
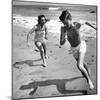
x,y
63,36
82,22
87,23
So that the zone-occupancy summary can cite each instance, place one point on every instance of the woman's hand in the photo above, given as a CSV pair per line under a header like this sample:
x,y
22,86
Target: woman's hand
x,y
28,42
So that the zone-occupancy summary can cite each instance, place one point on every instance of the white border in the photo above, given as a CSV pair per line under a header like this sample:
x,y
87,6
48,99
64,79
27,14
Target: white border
x,y
88,2
5,48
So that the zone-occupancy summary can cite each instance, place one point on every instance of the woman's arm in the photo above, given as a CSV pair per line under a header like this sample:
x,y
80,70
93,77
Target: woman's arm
x,y
30,32
46,32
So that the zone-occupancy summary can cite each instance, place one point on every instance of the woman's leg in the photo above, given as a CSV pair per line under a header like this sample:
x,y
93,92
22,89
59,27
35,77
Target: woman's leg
x,y
39,46
84,69
44,48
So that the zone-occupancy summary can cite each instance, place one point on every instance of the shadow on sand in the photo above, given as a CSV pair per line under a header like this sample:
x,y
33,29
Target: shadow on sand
x,y
60,85
28,62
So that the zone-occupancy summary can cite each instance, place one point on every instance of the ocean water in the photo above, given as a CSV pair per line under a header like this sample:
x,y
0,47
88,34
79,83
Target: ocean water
x,y
26,16
82,12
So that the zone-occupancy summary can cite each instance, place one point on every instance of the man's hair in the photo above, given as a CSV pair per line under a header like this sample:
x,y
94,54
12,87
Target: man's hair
x,y
65,13
39,18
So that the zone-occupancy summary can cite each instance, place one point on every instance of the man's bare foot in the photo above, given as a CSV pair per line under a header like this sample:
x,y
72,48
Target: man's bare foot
x,y
91,85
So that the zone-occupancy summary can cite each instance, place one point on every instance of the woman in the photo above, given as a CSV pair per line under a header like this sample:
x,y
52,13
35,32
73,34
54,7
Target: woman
x,y
40,30
78,46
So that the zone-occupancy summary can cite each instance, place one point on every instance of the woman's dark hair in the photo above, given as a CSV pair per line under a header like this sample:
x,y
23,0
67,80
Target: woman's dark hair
x,y
64,14
39,18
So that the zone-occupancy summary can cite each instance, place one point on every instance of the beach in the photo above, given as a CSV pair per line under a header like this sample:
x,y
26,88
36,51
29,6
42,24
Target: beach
x,y
61,77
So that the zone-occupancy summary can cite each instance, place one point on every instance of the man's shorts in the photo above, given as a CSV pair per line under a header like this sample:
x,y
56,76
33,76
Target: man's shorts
x,y
81,48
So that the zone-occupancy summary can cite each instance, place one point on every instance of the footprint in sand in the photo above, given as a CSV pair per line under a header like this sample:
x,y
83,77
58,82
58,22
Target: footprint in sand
x,y
92,60
55,58
14,18
24,32
36,50
92,56
50,51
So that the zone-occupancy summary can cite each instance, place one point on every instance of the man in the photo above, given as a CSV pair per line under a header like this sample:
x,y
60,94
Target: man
x,y
78,46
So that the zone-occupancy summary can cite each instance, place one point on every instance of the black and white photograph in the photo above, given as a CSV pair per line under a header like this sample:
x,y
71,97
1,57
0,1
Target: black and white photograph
x,y
54,49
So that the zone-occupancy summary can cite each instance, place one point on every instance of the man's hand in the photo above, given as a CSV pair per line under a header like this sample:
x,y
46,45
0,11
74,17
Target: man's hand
x,y
46,37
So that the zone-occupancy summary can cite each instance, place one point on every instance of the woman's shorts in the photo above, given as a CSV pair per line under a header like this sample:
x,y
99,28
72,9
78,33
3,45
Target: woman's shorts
x,y
42,40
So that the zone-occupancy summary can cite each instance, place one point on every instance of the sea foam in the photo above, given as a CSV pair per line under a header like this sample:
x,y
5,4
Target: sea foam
x,y
53,25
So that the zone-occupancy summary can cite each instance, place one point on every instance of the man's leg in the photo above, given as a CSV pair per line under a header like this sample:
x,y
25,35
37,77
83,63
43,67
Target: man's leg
x,y
84,64
84,70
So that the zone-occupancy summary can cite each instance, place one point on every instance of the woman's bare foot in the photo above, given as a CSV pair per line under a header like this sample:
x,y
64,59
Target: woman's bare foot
x,y
44,64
